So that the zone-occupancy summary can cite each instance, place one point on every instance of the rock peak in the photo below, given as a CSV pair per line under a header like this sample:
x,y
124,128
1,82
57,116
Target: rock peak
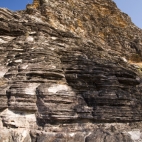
x,y
36,3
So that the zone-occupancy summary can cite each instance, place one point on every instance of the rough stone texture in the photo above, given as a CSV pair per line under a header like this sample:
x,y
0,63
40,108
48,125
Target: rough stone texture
x,y
70,71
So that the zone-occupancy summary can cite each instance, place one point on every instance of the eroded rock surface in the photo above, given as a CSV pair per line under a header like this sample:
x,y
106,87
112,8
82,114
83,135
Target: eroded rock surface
x,y
70,71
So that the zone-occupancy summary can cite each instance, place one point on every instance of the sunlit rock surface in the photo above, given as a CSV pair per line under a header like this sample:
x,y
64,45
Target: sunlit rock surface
x,y
70,71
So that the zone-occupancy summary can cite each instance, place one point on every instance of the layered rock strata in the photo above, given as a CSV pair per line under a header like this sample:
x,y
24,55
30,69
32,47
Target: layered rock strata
x,y
70,71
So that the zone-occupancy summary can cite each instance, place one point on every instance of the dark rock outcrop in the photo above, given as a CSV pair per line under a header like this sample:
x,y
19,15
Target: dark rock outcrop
x,y
70,71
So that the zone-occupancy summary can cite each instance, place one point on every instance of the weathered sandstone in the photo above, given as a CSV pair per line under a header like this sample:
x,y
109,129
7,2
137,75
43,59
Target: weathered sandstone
x,y
70,71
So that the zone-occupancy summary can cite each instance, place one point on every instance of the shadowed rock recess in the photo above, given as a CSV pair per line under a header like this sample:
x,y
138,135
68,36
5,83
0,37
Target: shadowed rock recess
x,y
70,71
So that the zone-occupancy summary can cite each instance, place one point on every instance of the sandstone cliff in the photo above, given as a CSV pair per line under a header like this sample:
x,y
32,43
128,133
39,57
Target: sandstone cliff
x,y
70,71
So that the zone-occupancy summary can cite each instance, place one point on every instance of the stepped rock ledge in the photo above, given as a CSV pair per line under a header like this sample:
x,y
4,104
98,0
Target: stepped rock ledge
x,y
70,71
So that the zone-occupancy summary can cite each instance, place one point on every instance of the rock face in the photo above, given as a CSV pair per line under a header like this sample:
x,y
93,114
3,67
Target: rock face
x,y
70,71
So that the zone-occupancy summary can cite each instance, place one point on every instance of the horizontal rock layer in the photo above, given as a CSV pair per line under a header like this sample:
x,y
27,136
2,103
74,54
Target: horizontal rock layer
x,y
70,71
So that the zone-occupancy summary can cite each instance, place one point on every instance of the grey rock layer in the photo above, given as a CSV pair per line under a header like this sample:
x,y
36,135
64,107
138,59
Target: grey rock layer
x,y
70,71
